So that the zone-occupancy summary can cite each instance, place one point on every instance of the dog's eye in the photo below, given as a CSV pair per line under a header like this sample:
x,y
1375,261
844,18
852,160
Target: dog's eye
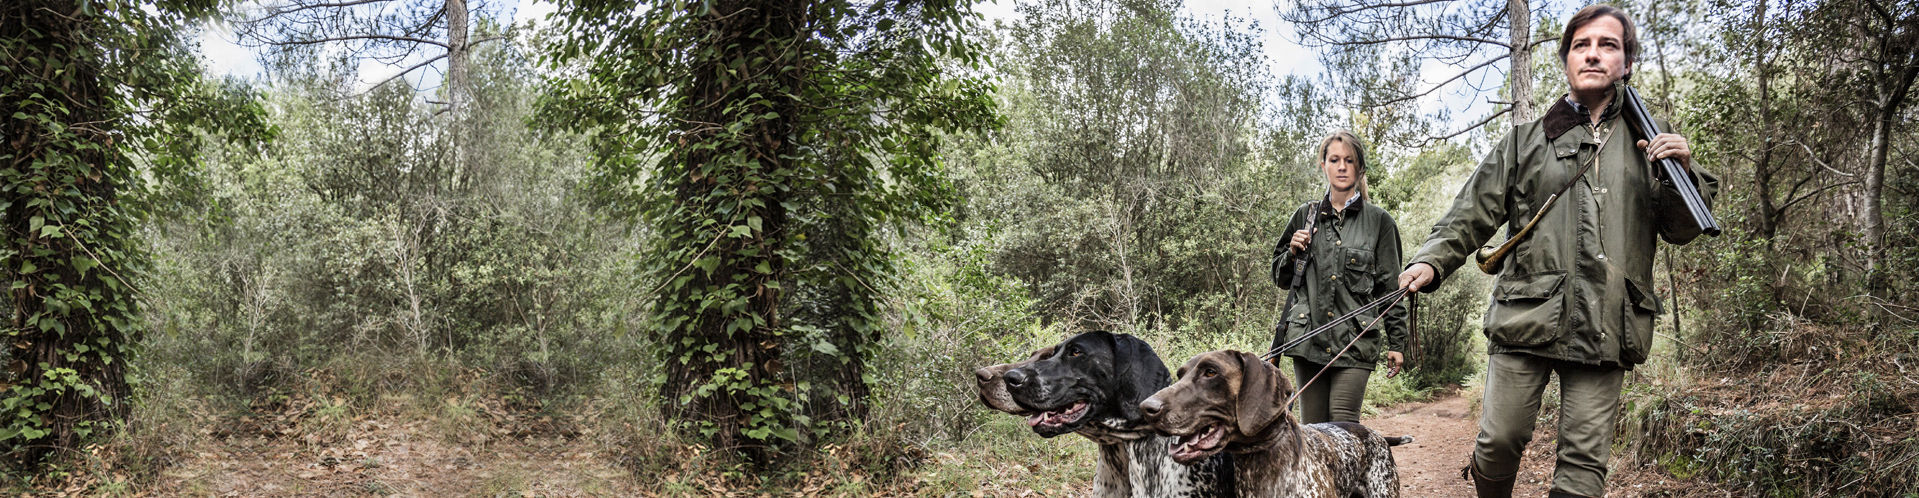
x,y
1210,373
1073,353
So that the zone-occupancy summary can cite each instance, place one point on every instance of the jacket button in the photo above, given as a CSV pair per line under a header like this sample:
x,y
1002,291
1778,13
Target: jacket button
x,y
1329,314
1336,277
1329,350
1302,315
1336,242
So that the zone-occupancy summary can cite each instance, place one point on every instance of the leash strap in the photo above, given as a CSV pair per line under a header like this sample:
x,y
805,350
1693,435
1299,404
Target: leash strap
x,y
1299,268
1395,296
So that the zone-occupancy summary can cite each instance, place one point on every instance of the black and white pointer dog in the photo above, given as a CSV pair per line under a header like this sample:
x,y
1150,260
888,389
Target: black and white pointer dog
x,y
1231,402
1092,385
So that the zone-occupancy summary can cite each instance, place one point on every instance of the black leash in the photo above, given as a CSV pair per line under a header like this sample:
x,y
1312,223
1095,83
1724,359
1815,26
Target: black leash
x,y
1393,296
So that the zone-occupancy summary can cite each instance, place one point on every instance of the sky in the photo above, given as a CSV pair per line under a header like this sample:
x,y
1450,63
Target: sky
x,y
224,56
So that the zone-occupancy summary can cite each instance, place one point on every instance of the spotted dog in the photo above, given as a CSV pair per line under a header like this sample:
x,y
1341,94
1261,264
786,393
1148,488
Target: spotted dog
x,y
1091,385
1230,401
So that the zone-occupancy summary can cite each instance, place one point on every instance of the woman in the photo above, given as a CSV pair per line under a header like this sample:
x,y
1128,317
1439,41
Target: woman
x,y
1352,252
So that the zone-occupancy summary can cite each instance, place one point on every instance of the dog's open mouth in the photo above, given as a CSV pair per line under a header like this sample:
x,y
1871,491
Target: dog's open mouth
x,y
1199,444
1057,418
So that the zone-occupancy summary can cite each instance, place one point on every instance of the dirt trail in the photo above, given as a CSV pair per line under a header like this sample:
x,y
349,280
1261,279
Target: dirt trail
x,y
1443,431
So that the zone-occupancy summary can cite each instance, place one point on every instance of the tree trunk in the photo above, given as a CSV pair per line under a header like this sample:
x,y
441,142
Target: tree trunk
x,y
73,318
1762,171
1890,105
722,357
456,55
1520,77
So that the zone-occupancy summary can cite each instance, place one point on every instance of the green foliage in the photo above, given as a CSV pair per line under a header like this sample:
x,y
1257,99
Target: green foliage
x,y
1133,184
1419,190
775,141
375,227
97,98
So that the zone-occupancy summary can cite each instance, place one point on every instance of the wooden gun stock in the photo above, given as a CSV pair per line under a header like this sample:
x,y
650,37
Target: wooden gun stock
x,y
1491,259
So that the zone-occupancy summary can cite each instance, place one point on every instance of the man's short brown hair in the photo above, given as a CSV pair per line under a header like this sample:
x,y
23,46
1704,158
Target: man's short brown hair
x,y
1630,39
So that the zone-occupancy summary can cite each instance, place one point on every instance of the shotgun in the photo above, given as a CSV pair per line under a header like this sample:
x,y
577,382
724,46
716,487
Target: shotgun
x,y
1642,124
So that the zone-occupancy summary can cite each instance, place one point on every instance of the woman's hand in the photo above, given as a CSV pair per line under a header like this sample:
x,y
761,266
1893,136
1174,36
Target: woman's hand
x,y
1393,362
1300,239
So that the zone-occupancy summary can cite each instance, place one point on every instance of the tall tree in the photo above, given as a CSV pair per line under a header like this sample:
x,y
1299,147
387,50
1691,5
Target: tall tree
x,y
1887,61
98,95
751,122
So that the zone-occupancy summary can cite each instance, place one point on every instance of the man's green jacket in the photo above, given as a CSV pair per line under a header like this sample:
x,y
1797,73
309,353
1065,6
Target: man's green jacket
x,y
1355,260
1580,287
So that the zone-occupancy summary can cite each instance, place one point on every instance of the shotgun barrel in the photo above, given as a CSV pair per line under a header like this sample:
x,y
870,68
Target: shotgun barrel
x,y
1640,120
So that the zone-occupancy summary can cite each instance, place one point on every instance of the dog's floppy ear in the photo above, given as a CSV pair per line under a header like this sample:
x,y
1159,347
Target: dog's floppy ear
x,y
1041,353
1137,374
1261,390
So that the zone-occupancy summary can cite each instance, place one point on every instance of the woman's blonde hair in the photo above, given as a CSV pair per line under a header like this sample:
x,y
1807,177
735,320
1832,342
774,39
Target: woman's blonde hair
x,y
1352,142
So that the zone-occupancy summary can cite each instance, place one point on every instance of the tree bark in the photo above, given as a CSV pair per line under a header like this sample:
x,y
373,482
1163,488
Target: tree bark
x,y
1762,170
456,55
1520,77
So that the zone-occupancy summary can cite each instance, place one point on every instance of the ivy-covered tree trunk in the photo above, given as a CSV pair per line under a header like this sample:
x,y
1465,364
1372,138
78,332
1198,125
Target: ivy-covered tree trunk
x,y
68,238
728,173
776,139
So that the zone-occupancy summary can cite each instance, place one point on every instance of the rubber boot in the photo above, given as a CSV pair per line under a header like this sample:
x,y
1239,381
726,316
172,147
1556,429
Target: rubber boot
x,y
1562,494
1491,488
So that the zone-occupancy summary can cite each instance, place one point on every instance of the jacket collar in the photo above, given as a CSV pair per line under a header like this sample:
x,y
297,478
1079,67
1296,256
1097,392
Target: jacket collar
x,y
1353,204
1565,115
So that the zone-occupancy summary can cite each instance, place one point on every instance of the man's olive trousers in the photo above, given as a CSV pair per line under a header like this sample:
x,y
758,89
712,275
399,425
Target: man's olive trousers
x,y
1588,406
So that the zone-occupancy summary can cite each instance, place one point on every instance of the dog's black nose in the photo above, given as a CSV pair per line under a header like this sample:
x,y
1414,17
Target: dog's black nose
x,y
1016,377
1151,408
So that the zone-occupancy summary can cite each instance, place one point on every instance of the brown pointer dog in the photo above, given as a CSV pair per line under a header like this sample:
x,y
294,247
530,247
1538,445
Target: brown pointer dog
x,y
1231,401
1091,385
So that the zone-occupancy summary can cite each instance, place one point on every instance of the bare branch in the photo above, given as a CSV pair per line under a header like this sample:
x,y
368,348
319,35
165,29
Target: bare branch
x,y
404,72
1814,157
1442,84
1382,41
362,37
280,12
1474,126
1815,193
1354,9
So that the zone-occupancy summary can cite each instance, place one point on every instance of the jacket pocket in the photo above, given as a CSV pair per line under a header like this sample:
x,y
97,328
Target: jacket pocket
x,y
1527,309
1359,273
1643,308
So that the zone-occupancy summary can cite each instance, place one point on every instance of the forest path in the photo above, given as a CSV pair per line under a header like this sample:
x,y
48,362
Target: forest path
x,y
1443,431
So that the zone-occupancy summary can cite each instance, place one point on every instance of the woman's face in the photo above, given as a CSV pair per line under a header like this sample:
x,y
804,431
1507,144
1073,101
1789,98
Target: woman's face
x,y
1341,165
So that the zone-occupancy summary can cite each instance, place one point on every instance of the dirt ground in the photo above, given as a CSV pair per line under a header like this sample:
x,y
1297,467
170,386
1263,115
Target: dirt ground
x,y
372,456
1443,431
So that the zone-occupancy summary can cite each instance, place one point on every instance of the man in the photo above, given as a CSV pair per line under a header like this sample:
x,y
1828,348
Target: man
x,y
1575,296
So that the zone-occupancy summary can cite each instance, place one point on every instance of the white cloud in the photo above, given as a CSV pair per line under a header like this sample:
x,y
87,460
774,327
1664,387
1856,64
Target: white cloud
x,y
221,53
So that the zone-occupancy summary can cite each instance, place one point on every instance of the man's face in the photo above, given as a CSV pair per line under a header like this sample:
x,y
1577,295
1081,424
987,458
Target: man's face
x,y
1597,57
